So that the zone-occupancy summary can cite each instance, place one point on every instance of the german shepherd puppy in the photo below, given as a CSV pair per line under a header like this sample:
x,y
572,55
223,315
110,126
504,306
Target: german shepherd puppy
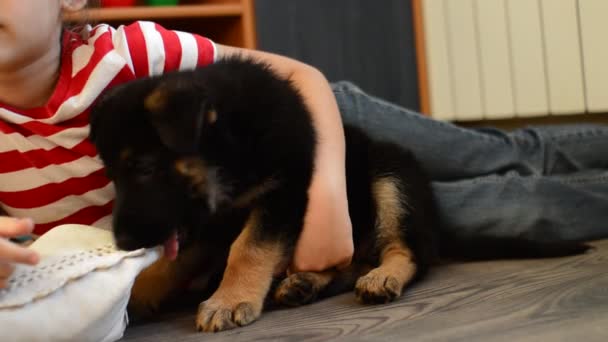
x,y
218,160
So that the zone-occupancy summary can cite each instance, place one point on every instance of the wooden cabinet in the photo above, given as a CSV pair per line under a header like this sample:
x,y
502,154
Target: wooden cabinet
x,y
228,22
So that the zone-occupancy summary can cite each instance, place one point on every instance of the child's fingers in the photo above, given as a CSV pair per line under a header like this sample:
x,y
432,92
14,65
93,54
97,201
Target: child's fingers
x,y
12,253
11,227
6,270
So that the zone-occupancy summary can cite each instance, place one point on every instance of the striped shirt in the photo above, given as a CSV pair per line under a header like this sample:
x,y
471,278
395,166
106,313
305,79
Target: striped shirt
x,y
49,170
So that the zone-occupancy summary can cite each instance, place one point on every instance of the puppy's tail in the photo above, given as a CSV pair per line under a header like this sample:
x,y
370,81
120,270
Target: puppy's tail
x,y
490,248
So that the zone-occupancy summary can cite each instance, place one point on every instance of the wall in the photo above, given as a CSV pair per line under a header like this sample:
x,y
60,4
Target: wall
x,y
369,42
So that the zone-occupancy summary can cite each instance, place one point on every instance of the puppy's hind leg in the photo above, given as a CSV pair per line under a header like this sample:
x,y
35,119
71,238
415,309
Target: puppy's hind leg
x,y
302,288
307,287
397,267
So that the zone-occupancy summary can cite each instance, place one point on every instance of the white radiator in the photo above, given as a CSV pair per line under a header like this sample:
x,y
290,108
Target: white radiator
x,y
493,59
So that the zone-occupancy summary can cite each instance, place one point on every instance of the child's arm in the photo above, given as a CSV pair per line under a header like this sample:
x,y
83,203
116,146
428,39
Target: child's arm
x,y
326,240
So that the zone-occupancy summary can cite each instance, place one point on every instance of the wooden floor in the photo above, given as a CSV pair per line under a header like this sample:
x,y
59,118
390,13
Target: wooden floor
x,y
562,299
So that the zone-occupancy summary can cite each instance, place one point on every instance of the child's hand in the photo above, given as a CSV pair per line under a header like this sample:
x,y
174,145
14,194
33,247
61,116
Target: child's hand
x,y
326,240
11,253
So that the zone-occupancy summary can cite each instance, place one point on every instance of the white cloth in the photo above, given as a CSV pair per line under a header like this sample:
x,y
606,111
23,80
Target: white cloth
x,y
78,292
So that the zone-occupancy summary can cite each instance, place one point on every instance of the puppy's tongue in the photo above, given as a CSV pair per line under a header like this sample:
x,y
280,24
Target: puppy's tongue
x,y
171,247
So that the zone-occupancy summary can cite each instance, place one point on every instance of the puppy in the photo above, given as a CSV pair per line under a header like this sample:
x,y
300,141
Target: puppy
x,y
216,163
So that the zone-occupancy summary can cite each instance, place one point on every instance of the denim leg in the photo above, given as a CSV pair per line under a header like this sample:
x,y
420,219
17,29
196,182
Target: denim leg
x,y
541,208
450,152
564,149
544,183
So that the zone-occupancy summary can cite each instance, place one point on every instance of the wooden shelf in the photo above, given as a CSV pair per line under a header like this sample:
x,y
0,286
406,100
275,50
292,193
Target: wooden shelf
x,y
161,12
230,22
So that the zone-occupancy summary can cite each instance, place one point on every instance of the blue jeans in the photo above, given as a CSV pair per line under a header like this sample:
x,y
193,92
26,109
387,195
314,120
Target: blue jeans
x,y
545,183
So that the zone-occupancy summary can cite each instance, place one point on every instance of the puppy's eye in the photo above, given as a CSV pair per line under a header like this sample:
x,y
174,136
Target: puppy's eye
x,y
210,116
146,170
142,167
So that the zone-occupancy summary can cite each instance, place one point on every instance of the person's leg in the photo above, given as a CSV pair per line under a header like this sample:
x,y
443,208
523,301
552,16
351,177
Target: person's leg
x,y
450,152
493,183
564,149
540,208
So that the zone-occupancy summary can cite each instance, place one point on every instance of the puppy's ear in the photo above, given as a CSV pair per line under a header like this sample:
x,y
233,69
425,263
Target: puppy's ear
x,y
178,121
100,114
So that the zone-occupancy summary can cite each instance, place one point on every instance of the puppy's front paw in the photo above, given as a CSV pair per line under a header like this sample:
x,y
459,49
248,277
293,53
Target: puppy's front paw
x,y
153,286
143,307
377,287
147,297
215,315
297,289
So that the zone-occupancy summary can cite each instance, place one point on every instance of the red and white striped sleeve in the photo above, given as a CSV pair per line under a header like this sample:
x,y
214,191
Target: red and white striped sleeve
x,y
154,50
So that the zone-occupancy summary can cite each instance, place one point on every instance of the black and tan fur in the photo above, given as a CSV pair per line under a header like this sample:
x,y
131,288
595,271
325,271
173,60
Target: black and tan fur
x,y
224,156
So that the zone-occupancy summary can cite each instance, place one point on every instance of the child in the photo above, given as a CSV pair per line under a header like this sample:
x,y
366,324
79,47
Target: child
x,y
49,171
